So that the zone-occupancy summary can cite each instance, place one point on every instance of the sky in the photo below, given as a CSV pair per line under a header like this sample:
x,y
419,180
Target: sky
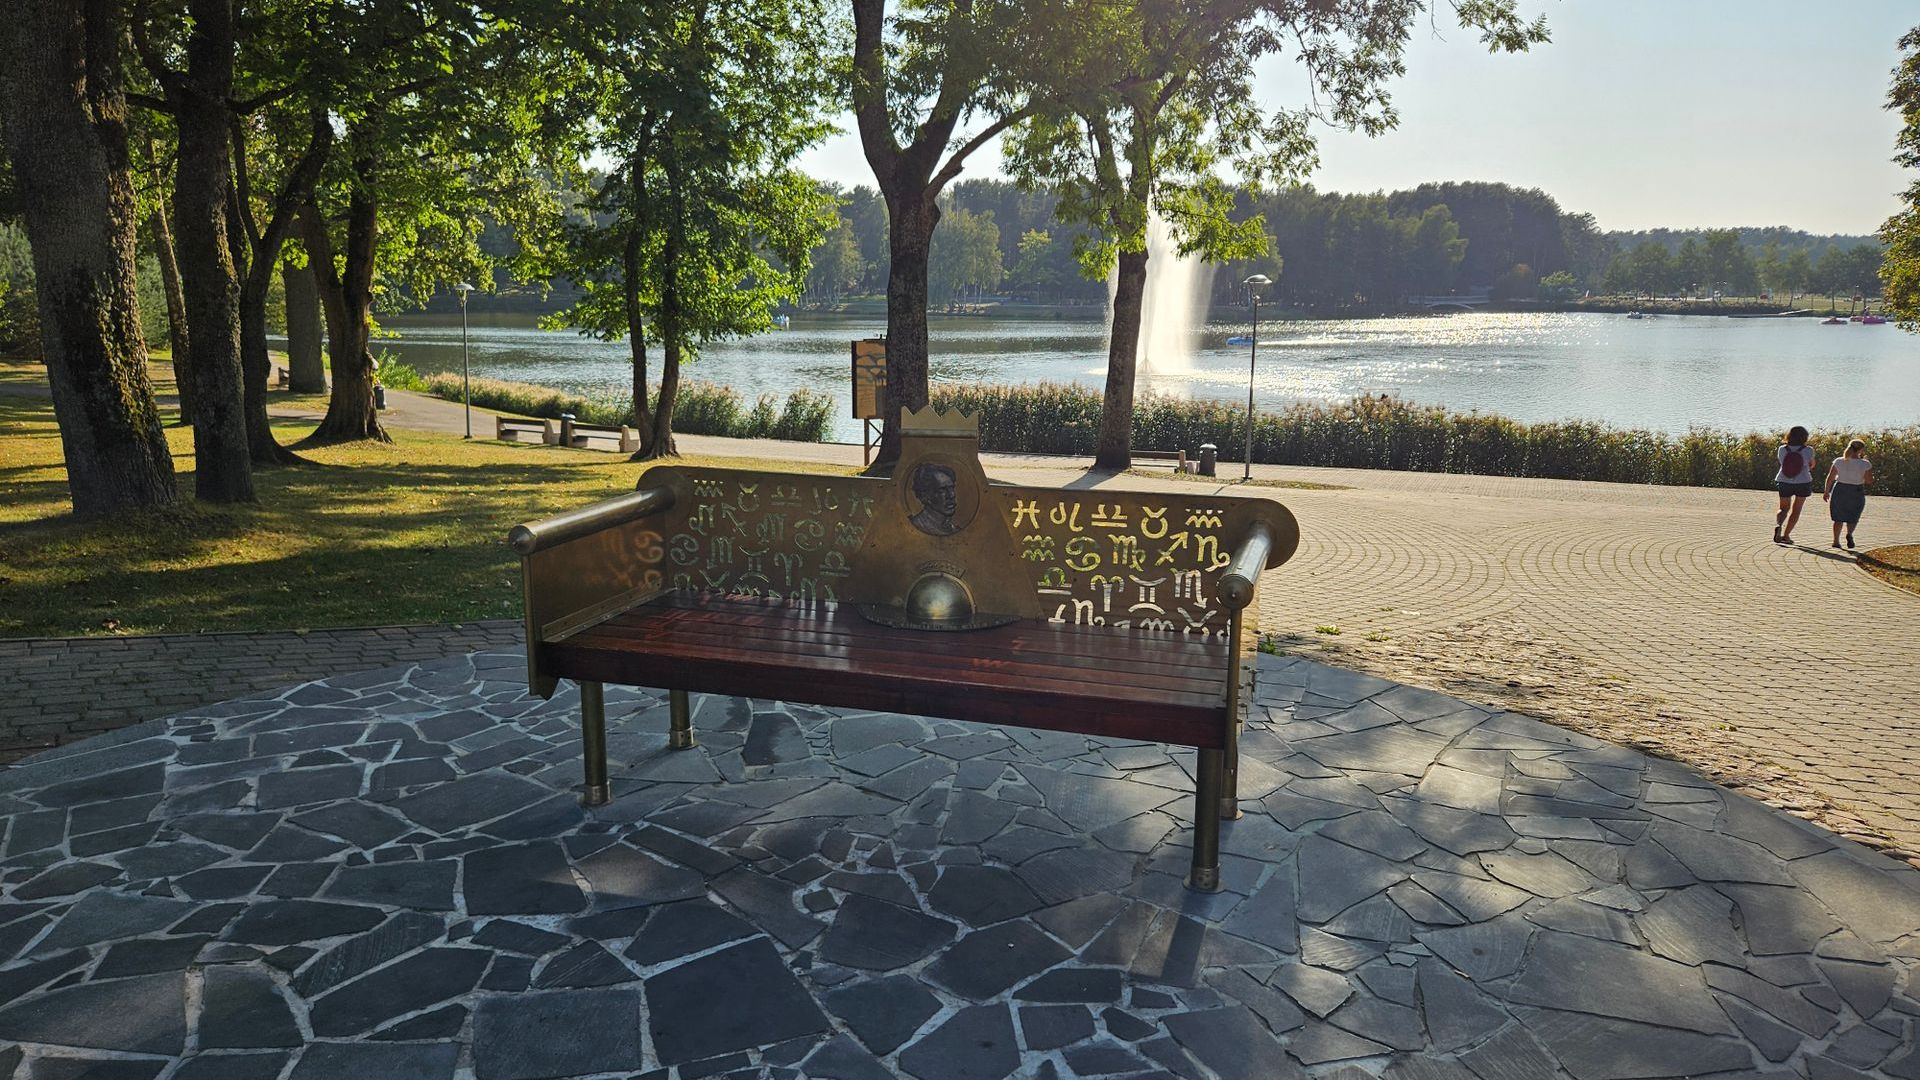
x,y
1644,113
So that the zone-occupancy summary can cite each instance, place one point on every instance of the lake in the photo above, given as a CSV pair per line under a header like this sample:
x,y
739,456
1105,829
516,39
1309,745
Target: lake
x,y
1668,373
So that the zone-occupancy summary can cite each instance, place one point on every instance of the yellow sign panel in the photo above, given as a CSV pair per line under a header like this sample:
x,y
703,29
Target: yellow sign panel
x,y
869,378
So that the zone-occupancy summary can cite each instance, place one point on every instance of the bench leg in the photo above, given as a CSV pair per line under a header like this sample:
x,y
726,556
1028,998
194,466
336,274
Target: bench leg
x,y
680,734
1205,876
1230,774
593,741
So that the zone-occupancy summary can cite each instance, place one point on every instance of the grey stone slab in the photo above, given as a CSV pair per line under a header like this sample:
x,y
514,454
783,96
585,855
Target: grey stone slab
x,y
1339,877
518,937
1086,985
1276,1009
1484,951
1878,903
883,1013
1866,988
147,956
286,844
241,1009
254,1066
832,799
1779,920
855,734
1294,810
426,978
987,963
1692,925
621,876
1389,749
1068,873
106,916
1376,918
1601,1048
740,997
298,787
1317,991
912,779
877,936
427,886
1381,1022
768,902
1234,1044
146,1014
396,936
840,1058
1457,1013
1717,857
1341,954
1377,832
682,929
1575,916
1784,1005
513,1035
1578,974
1268,916
470,800
1462,832
168,860
520,879
586,964
66,879
1512,1054
1775,1040
289,922
1088,803
772,738
976,1043
1477,899
973,817
981,895
1049,1027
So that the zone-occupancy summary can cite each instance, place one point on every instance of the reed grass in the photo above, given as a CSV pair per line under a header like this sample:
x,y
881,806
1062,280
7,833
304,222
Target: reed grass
x,y
700,409
1390,433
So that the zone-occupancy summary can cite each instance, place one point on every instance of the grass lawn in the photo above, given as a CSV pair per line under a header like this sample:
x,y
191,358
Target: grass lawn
x,y
1897,566
366,534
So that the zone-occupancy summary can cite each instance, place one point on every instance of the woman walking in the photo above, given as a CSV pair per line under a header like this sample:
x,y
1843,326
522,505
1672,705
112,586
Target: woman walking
x,y
1846,492
1794,481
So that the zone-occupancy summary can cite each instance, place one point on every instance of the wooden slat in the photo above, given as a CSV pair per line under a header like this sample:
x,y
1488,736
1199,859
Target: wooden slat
x,y
1038,675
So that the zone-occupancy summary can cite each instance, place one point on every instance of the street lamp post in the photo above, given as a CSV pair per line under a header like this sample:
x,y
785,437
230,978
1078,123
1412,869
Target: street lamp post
x,y
466,380
1254,284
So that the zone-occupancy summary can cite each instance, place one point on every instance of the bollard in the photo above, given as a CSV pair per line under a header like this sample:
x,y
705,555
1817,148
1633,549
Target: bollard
x,y
1209,459
566,429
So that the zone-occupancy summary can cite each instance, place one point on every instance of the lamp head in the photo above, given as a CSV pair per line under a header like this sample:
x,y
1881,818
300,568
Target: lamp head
x,y
1258,281
462,288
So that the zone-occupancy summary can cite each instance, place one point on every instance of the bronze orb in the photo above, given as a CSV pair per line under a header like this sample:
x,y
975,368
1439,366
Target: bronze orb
x,y
939,599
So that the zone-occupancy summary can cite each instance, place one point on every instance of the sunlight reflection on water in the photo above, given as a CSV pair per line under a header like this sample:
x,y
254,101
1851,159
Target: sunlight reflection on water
x,y
1668,373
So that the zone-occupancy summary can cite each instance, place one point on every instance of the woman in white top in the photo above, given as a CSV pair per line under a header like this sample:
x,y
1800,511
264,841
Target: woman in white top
x,y
1846,494
1794,480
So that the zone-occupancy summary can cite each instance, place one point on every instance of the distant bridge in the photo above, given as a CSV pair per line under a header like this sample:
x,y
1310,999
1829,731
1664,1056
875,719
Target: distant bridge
x,y
1464,303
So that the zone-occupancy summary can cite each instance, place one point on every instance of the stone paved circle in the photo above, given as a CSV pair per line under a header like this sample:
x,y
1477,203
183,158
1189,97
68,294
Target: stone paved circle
x,y
388,875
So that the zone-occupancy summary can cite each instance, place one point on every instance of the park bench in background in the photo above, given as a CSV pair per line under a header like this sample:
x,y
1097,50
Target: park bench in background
x,y
1175,458
519,429
1107,613
623,440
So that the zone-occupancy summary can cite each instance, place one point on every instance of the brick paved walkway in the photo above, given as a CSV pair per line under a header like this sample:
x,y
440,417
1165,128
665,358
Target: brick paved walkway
x,y
56,690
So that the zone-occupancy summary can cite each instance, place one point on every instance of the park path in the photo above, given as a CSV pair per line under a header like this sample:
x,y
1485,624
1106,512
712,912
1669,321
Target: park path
x,y
1663,617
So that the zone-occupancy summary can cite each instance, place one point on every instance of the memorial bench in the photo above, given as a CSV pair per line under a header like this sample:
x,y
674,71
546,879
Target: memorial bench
x,y
936,593
1176,458
527,430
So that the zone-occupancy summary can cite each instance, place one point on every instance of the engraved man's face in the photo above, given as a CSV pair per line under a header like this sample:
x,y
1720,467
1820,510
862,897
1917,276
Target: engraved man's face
x,y
934,486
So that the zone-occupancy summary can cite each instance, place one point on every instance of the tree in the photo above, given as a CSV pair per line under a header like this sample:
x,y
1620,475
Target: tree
x,y
193,61
1796,272
916,77
162,242
1901,265
964,257
1033,272
835,263
704,224
1173,103
63,115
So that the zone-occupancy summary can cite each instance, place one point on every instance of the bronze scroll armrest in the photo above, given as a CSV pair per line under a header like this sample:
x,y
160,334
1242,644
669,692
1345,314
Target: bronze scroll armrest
x,y
560,528
584,566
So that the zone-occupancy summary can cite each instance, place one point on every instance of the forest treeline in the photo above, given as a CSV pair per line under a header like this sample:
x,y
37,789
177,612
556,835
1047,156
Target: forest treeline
x,y
1334,252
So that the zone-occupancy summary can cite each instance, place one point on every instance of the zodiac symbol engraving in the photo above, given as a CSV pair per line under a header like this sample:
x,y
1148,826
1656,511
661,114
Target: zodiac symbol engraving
x,y
1027,510
1083,554
1153,522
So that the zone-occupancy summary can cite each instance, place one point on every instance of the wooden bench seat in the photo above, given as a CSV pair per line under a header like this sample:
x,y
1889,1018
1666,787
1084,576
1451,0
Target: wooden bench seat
x,y
1088,679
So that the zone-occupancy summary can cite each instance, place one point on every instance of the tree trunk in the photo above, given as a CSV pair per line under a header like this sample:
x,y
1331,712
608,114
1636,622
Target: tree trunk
x,y
256,364
659,442
911,220
636,339
61,98
346,295
176,308
223,470
1115,449
306,366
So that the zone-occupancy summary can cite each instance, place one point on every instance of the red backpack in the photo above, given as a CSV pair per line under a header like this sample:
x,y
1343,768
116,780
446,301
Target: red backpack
x,y
1792,462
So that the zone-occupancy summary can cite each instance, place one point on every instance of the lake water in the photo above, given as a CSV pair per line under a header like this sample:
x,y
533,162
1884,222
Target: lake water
x,y
1667,373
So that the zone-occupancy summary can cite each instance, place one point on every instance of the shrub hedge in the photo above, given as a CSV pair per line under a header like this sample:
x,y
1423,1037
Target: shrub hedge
x,y
1389,433
701,409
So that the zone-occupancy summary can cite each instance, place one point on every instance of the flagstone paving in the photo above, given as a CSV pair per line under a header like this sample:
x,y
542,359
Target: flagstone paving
x,y
387,875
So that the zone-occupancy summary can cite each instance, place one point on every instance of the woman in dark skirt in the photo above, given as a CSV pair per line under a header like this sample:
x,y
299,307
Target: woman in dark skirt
x,y
1846,494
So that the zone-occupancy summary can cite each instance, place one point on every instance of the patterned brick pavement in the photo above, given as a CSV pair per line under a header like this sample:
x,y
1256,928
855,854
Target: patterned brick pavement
x,y
57,690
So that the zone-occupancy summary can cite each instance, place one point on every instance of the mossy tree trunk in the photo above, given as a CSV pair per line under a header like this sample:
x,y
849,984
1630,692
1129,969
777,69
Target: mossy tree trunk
x,y
170,282
911,217
200,101
62,101
346,297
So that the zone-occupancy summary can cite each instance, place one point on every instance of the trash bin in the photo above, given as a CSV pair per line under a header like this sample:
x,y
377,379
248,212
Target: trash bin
x,y
379,396
1209,459
566,429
